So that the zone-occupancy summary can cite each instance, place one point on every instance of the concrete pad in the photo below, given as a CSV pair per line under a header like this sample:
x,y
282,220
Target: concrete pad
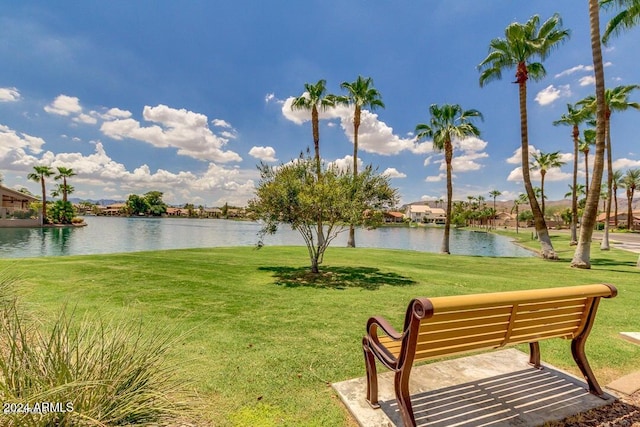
x,y
634,337
490,389
628,384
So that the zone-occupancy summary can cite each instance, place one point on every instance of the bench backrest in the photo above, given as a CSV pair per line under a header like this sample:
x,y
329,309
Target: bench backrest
x,y
443,326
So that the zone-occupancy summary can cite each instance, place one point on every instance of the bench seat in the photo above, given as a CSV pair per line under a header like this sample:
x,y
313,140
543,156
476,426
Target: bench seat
x,y
445,326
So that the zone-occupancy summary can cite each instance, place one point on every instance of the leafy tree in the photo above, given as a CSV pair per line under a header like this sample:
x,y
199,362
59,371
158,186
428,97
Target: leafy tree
x,y
360,94
448,122
544,162
38,175
582,255
315,97
627,18
292,194
62,212
521,48
574,117
156,206
64,173
616,99
137,205
630,181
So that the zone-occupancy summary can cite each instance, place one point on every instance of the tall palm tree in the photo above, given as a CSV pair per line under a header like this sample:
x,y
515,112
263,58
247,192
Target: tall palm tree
x,y
494,194
574,117
616,99
314,98
617,180
630,181
64,173
360,94
589,139
448,122
628,17
582,255
543,162
38,175
523,48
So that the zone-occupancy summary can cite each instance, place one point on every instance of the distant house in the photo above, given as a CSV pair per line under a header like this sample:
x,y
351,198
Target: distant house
x,y
622,219
14,209
425,213
114,209
393,217
212,212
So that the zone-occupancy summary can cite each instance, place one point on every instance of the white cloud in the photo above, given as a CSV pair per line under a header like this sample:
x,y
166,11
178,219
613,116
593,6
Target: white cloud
x,y
587,80
86,119
623,164
185,130
64,105
221,123
574,70
516,158
266,154
345,163
269,97
9,94
116,113
14,145
436,178
394,173
551,93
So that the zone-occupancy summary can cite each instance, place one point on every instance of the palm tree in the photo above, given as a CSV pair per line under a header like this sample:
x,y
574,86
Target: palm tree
x,y
616,99
523,46
38,175
630,181
628,17
582,255
313,98
360,94
617,180
494,194
64,173
589,136
574,117
448,122
543,162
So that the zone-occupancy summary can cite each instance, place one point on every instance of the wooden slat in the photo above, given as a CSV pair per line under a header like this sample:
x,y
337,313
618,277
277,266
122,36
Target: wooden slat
x,y
469,333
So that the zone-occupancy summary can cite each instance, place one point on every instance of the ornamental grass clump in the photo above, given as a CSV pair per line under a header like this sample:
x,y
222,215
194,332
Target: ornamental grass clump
x,y
84,374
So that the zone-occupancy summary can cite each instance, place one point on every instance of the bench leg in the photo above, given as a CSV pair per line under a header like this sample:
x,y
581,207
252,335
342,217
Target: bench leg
x,y
534,355
577,350
372,375
401,384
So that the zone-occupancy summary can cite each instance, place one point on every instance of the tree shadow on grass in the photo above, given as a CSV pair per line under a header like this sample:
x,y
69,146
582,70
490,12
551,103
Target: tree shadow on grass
x,y
368,278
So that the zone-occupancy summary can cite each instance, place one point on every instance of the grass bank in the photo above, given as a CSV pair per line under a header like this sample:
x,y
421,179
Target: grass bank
x,y
265,339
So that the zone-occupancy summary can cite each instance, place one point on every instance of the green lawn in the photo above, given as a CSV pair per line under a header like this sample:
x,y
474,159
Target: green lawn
x,y
263,341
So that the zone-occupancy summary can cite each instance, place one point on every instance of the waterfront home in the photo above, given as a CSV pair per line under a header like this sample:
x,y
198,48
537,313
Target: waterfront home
x,y
15,209
426,214
393,217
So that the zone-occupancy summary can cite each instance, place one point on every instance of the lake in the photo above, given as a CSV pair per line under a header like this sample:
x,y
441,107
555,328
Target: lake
x,y
114,235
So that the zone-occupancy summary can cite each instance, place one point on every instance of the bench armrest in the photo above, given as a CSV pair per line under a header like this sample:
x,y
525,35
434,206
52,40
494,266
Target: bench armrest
x,y
378,348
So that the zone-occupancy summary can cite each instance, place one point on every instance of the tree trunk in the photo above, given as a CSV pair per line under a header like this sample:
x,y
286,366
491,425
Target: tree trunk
x,y
351,242
615,204
574,195
604,245
582,255
44,200
316,146
586,172
546,249
629,210
448,155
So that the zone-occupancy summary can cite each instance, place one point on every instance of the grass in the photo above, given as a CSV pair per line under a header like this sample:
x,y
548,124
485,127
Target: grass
x,y
264,339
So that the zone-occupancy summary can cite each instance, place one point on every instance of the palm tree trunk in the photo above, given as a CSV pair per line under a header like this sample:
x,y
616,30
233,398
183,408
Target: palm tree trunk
x,y
582,255
615,204
586,172
44,200
629,210
448,155
316,147
351,242
604,245
546,251
574,195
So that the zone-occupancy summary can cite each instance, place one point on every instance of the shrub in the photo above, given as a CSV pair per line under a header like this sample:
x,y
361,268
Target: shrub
x,y
97,374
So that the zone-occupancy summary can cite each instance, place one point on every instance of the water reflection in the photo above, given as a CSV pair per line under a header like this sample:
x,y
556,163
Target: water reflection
x,y
112,235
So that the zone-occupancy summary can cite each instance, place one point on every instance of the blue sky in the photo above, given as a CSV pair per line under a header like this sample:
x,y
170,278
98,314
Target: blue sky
x,y
187,97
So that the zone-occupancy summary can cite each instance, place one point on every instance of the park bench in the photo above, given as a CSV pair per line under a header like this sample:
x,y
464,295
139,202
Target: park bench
x,y
444,326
